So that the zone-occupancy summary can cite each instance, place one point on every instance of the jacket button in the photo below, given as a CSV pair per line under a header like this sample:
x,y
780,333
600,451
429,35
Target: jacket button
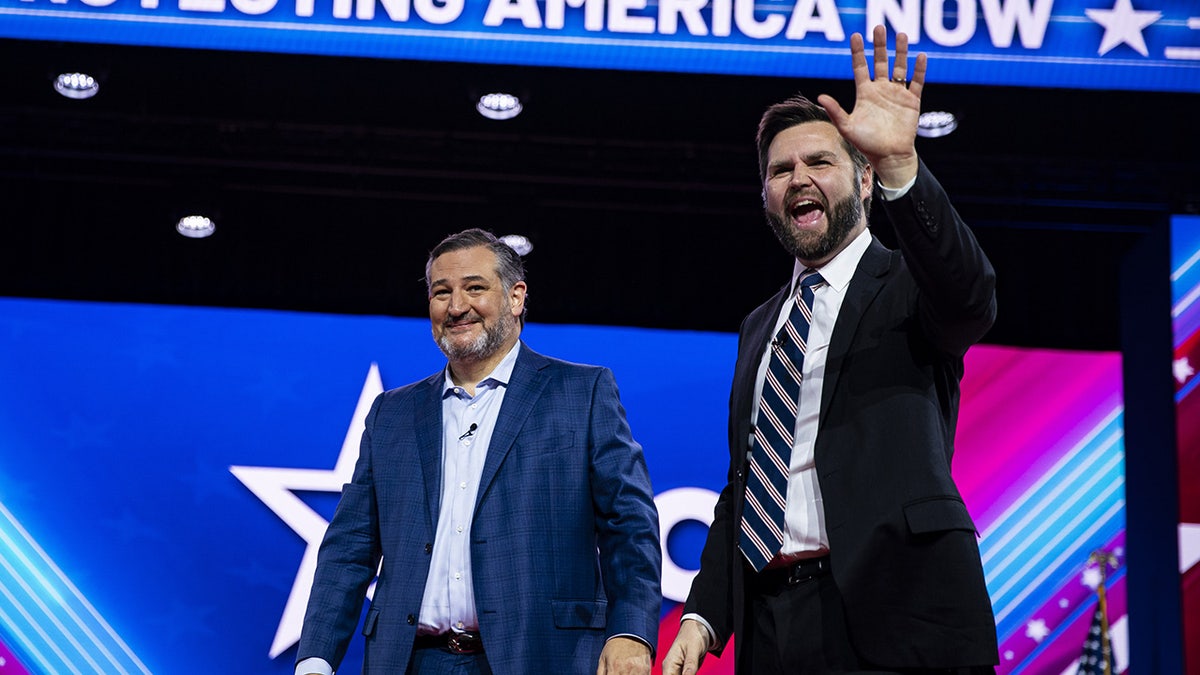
x,y
428,548
412,620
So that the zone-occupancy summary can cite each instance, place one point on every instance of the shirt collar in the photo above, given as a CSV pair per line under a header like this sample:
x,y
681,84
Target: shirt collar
x,y
839,270
499,376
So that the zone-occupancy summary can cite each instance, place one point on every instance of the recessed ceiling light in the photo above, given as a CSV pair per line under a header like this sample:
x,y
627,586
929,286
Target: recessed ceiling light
x,y
195,227
936,123
518,243
499,106
76,85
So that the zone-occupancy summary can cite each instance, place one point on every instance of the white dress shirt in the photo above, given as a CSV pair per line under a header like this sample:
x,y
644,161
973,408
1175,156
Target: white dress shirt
x,y
804,519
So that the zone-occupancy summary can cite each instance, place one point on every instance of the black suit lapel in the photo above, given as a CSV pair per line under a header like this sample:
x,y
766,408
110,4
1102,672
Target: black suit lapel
x,y
866,283
754,343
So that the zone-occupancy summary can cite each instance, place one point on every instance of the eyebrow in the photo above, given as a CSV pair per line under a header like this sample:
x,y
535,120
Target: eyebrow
x,y
807,159
446,282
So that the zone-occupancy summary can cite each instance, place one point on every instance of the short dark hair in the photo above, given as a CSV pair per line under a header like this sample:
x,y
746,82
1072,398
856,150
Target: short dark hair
x,y
792,112
509,266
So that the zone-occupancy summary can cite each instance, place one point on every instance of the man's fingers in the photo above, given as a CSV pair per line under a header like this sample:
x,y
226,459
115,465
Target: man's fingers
x,y
677,663
837,114
918,75
900,68
858,59
881,55
672,663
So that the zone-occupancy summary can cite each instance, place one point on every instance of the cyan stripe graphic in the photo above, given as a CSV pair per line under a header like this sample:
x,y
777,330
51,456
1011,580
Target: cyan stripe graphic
x,y
1040,542
49,622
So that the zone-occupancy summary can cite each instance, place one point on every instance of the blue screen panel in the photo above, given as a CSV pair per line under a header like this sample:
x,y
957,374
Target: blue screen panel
x,y
1089,44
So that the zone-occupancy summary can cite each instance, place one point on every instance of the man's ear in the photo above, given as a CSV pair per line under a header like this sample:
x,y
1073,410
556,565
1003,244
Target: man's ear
x,y
516,298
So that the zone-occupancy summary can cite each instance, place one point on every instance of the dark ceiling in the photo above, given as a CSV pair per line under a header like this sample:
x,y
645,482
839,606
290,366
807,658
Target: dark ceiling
x,y
330,179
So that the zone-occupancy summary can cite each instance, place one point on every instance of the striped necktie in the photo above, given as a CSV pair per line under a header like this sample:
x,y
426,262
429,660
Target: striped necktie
x,y
766,484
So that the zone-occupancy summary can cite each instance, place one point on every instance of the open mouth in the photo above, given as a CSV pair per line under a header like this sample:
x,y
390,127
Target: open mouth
x,y
805,212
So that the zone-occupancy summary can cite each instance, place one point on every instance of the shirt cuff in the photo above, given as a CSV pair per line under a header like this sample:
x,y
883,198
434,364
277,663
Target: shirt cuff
x,y
712,634
631,636
892,194
314,664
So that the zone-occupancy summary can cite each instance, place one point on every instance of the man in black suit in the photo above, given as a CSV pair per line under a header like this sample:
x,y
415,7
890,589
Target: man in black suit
x,y
861,556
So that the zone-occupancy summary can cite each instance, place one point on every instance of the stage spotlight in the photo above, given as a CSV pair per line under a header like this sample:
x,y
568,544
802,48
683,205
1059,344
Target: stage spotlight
x,y
936,123
76,85
518,243
499,106
195,227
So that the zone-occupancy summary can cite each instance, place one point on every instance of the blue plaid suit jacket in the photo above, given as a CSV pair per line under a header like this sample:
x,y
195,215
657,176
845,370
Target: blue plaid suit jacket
x,y
564,543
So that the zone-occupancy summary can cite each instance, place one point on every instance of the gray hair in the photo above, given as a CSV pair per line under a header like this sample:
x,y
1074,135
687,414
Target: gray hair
x,y
509,266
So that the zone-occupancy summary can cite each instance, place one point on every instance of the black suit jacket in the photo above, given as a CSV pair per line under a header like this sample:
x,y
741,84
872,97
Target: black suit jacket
x,y
903,546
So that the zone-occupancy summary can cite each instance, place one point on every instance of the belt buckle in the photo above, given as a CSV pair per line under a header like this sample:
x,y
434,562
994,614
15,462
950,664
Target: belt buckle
x,y
797,574
464,643
796,577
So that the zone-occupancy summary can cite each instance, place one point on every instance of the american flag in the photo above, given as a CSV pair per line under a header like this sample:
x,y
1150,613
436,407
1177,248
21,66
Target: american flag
x,y
1097,648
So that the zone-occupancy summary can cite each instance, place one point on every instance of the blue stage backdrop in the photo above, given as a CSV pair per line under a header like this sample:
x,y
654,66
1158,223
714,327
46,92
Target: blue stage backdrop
x,y
166,474
1091,44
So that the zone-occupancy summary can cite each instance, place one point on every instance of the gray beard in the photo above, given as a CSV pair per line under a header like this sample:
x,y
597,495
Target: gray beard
x,y
484,346
842,217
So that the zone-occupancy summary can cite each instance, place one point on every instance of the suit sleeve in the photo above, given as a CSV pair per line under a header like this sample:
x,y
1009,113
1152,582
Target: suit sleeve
x,y
346,563
711,595
957,298
626,518
713,588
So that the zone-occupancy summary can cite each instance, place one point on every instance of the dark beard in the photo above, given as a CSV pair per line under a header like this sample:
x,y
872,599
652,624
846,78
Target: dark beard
x,y
842,218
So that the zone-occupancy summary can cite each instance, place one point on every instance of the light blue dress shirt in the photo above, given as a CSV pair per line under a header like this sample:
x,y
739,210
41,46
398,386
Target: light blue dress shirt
x,y
467,425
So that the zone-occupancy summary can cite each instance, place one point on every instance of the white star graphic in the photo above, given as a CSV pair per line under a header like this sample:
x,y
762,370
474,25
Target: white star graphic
x,y
1123,25
1182,368
276,486
1091,578
1037,630
1189,546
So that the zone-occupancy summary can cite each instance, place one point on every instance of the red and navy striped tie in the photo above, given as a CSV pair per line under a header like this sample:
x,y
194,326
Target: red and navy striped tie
x,y
766,484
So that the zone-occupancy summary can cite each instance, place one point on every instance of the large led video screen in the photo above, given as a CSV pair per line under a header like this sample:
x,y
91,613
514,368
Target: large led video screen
x,y
167,472
1185,315
1077,44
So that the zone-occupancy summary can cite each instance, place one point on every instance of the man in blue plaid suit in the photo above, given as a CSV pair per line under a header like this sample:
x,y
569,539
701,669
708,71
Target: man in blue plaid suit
x,y
506,497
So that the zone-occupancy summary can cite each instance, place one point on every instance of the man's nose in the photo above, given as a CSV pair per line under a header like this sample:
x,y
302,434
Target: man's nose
x,y
800,177
458,303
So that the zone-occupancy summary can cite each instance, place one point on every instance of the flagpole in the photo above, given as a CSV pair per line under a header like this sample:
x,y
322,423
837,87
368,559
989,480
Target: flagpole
x,y
1103,559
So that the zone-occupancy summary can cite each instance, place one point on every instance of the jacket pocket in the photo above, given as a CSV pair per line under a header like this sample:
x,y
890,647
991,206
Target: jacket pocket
x,y
938,514
553,445
579,613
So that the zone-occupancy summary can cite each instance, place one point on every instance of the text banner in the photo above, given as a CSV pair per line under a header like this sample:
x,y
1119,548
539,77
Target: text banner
x,y
1093,44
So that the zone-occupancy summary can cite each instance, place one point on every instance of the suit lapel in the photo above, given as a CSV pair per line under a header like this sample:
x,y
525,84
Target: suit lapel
x,y
429,439
864,286
524,388
757,335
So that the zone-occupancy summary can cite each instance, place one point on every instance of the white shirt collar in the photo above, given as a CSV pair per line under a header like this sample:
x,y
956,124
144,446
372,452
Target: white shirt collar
x,y
838,271
501,374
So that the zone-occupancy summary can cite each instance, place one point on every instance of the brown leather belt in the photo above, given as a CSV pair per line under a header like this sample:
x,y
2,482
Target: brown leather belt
x,y
451,641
